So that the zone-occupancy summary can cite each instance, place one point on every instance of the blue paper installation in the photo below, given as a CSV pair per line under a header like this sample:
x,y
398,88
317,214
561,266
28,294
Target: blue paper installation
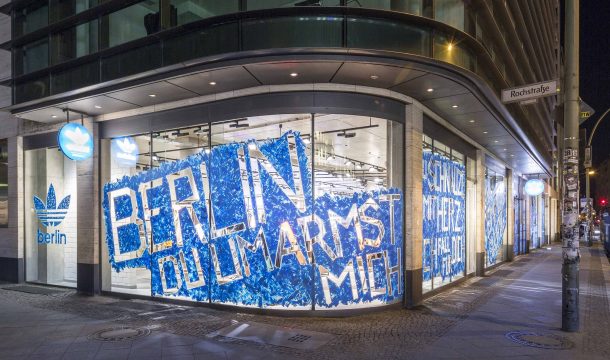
x,y
495,218
444,200
239,226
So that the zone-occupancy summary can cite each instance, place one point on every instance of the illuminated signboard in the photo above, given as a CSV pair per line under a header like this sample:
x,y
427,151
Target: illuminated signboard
x,y
534,187
125,151
239,225
75,141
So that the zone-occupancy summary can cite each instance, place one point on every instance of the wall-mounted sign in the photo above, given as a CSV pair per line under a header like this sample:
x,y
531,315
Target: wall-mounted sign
x,y
75,141
51,215
125,151
534,187
530,91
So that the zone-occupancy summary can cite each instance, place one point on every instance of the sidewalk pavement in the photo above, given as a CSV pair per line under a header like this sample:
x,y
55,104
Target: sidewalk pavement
x,y
477,319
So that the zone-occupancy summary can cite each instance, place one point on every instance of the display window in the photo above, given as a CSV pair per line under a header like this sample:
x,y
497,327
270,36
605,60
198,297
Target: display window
x,y
496,238
50,217
292,211
444,186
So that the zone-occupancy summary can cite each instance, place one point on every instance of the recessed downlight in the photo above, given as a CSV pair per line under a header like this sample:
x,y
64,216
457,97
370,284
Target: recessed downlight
x,y
495,141
53,116
212,83
471,121
374,77
430,90
97,106
484,132
294,74
455,106
152,95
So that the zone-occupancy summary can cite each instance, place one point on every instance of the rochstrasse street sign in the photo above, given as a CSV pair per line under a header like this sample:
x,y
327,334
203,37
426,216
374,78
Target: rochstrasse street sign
x,y
531,91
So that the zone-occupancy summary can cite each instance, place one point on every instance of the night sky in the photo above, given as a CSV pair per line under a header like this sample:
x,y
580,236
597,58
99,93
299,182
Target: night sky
x,y
595,71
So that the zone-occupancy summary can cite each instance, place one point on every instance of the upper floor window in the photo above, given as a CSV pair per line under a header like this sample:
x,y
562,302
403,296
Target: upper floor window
x,y
186,11
450,12
31,18
64,8
130,23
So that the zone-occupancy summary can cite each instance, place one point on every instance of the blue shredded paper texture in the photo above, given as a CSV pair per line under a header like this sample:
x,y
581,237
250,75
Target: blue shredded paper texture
x,y
284,270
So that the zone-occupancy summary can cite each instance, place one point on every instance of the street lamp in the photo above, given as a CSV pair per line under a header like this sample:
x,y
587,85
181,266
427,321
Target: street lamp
x,y
591,172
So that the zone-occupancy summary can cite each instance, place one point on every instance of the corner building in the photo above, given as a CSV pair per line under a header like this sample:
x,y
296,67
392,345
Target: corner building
x,y
284,155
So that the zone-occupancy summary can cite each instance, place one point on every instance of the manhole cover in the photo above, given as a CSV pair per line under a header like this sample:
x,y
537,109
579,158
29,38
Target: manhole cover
x,y
540,340
119,334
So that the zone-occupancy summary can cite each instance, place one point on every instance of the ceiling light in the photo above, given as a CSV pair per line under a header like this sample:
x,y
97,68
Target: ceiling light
x,y
504,149
377,180
484,132
152,95
374,77
155,158
97,106
373,169
511,155
454,106
495,141
348,162
358,166
294,74
430,90
207,151
212,83
471,121
252,146
53,116
330,157
306,141
450,46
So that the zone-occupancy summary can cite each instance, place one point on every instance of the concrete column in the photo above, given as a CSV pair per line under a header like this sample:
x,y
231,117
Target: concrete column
x,y
88,279
510,216
413,205
11,239
480,199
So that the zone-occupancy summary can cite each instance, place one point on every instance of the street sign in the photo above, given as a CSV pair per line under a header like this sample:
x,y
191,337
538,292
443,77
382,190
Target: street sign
x,y
588,161
586,111
531,91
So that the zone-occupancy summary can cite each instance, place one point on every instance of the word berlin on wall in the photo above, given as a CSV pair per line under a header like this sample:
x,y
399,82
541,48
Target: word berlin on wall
x,y
240,226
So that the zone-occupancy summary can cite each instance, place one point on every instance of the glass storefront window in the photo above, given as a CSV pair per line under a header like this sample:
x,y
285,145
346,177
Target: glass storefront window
x,y
50,217
444,185
4,183
237,204
64,8
131,23
74,42
186,11
495,217
31,18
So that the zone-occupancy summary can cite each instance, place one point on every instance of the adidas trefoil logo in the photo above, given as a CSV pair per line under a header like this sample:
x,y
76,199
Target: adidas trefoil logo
x,y
49,214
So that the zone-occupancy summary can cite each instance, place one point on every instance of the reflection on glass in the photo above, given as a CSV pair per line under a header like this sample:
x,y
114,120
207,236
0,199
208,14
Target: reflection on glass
x,y
130,23
32,57
32,17
186,11
74,42
266,4
408,6
63,8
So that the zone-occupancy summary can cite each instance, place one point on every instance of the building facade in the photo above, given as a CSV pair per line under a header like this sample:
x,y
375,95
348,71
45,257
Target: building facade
x,y
291,155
